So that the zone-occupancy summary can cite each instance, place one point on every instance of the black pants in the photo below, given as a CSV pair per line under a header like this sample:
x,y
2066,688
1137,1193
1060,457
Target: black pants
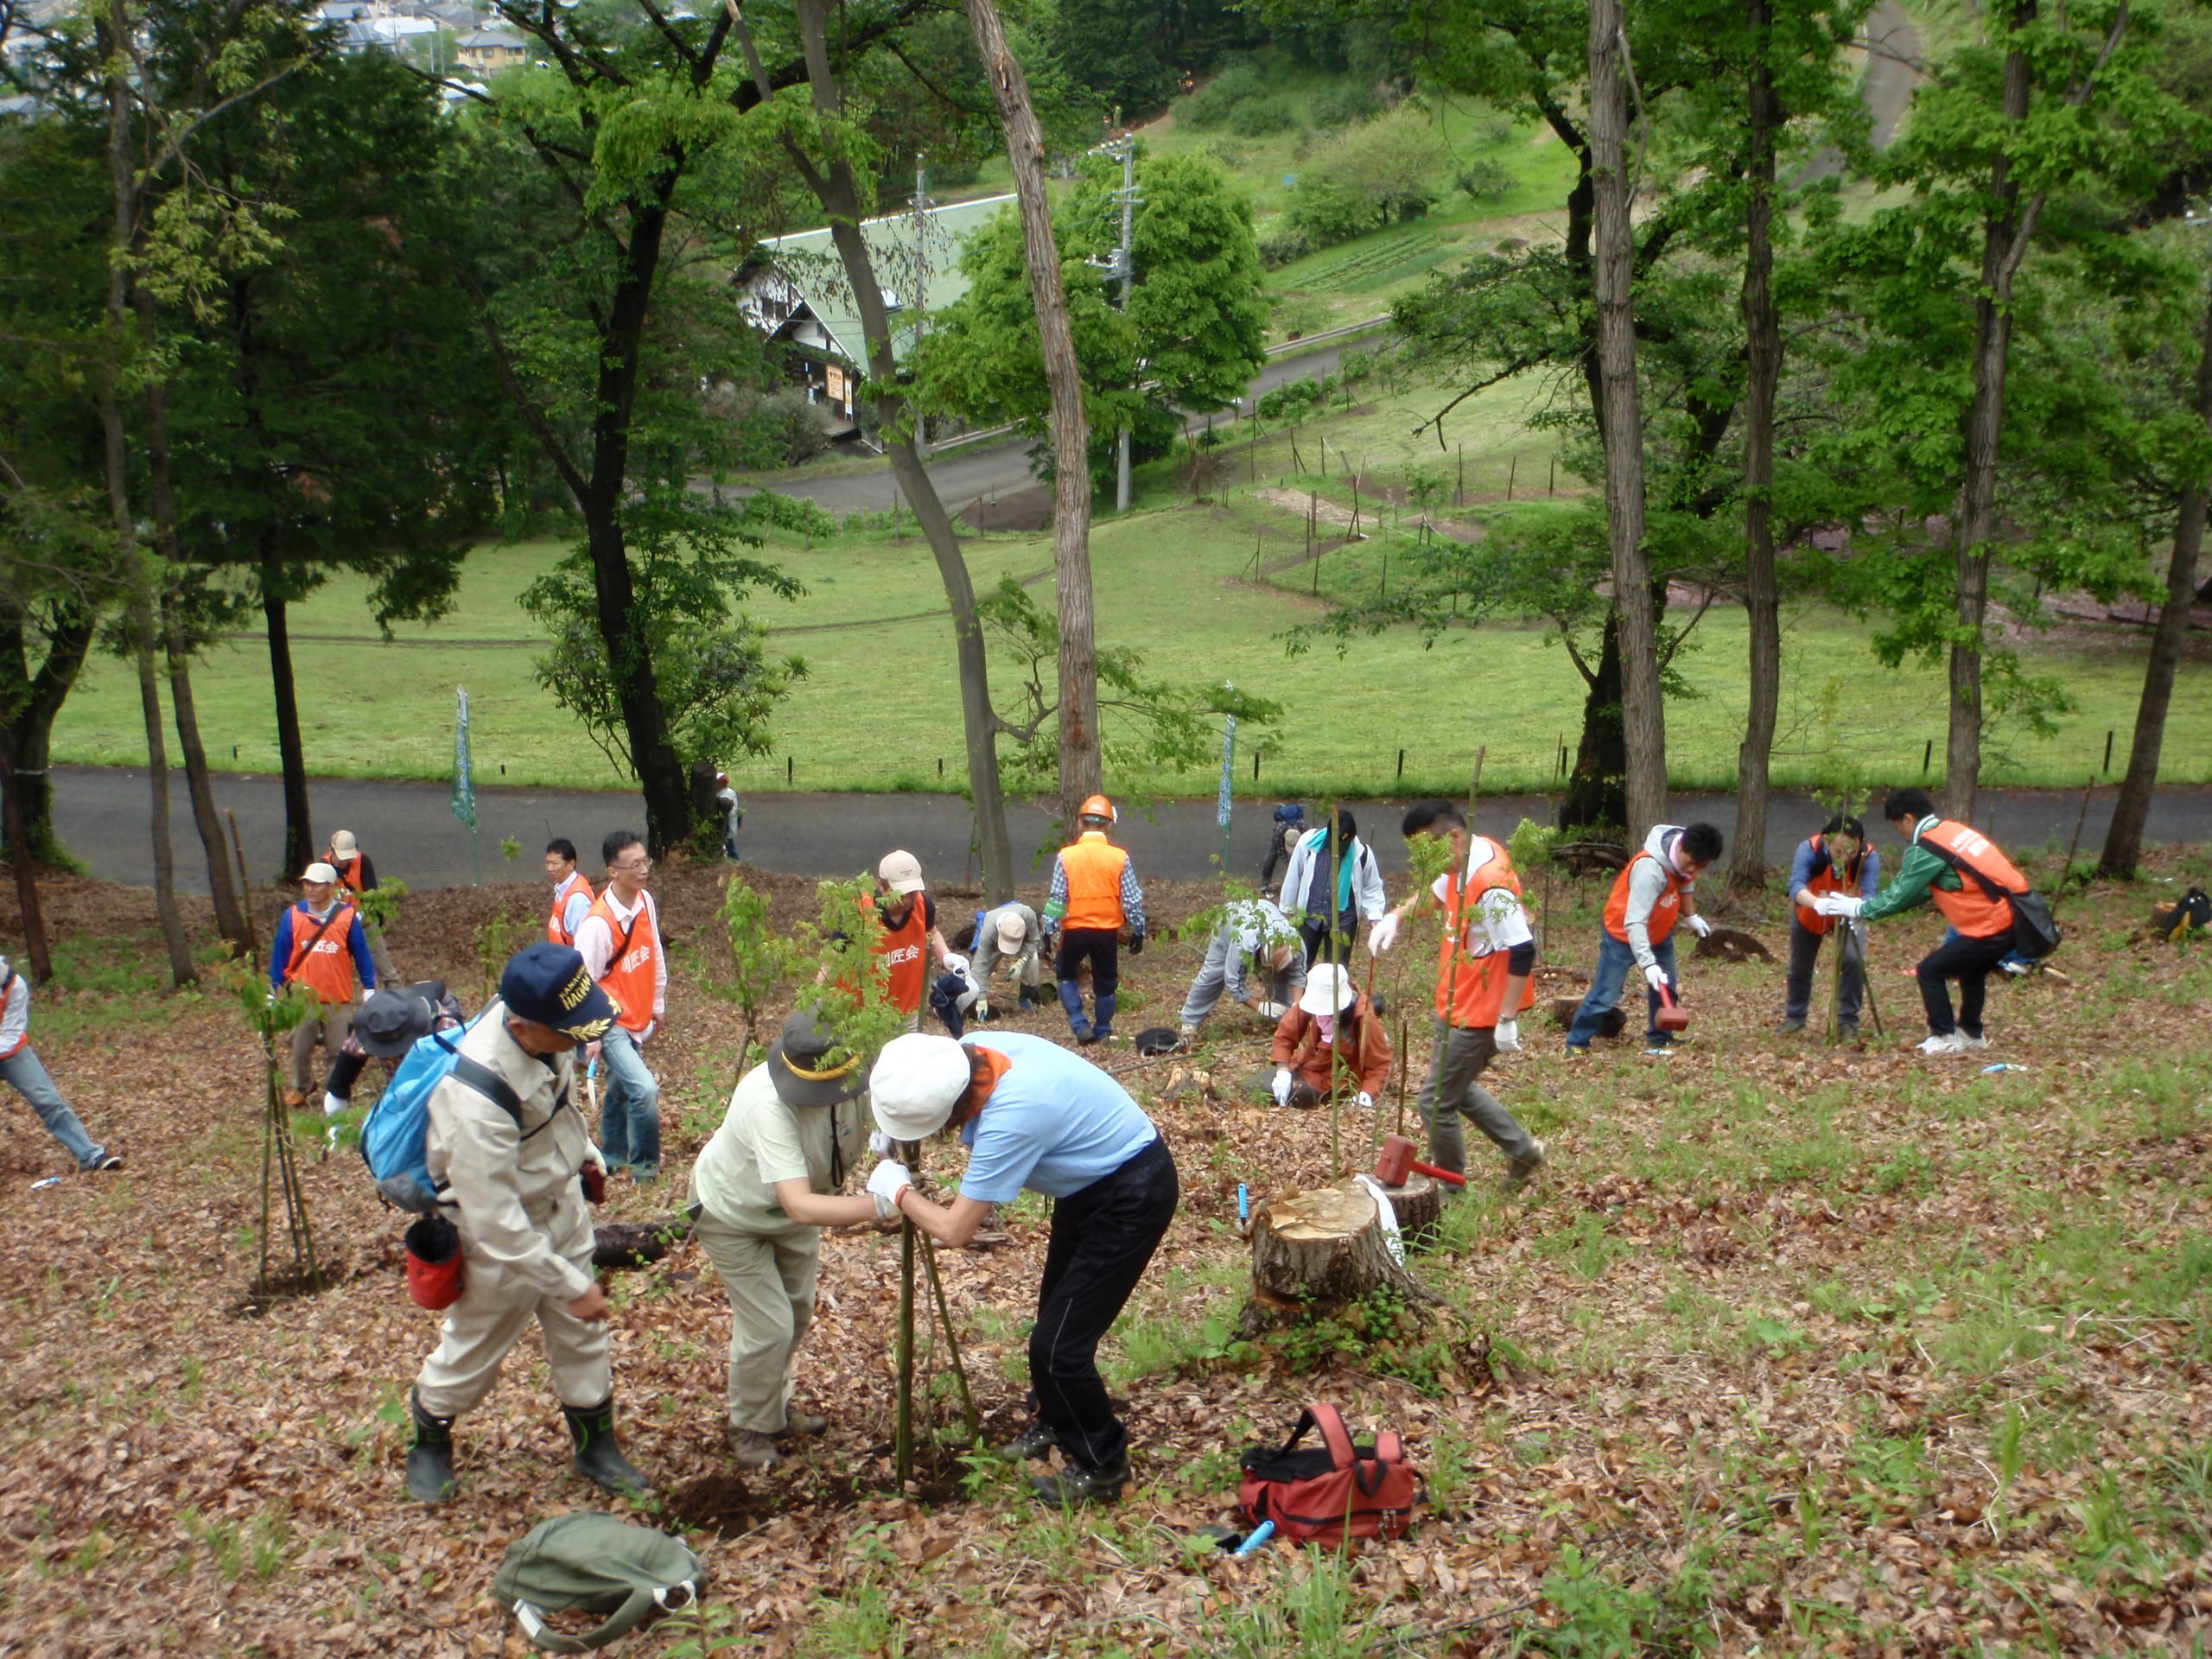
x,y
1314,934
1102,1239
1968,961
1804,952
1101,946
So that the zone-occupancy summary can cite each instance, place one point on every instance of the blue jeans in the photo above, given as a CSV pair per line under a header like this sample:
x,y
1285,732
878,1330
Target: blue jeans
x,y
34,1083
629,1117
1615,963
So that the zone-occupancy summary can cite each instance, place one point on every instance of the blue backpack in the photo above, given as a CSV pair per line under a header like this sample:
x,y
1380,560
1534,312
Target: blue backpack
x,y
394,1137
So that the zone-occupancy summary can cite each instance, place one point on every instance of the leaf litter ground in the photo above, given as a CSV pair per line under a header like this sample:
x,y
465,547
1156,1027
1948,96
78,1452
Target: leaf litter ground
x,y
1792,1348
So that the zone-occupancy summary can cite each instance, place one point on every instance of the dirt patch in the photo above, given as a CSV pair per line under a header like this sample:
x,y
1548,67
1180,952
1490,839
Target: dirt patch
x,y
1024,511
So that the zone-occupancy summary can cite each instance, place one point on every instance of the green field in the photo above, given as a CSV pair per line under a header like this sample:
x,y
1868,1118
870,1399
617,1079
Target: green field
x,y
879,706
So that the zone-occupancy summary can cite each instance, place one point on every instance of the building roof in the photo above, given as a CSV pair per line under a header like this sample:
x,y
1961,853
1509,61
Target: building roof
x,y
918,274
487,40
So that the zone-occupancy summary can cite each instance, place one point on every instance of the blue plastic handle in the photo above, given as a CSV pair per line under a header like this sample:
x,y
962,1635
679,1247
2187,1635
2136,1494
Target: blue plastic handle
x,y
1254,1539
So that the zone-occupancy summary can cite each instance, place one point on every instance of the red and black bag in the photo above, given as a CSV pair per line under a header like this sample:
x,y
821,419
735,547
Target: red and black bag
x,y
1337,1489
434,1279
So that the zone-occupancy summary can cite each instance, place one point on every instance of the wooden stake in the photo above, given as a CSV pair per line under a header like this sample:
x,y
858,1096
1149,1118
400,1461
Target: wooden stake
x,y
952,1347
2081,818
1512,469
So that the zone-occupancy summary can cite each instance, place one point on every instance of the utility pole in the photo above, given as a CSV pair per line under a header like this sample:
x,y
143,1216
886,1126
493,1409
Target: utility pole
x,y
1125,266
921,280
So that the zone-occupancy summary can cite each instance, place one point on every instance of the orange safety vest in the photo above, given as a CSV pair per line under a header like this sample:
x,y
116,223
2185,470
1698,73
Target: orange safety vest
x,y
554,930
905,952
1093,867
349,876
1471,997
1663,913
629,977
322,953
1973,913
1825,880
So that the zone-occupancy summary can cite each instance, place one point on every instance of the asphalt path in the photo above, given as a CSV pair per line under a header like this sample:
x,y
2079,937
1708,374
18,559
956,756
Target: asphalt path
x,y
409,830
983,472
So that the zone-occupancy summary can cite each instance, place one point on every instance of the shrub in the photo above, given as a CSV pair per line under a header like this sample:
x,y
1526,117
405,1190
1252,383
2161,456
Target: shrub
x,y
1283,241
1255,117
1485,178
767,429
1364,177
1340,106
1211,105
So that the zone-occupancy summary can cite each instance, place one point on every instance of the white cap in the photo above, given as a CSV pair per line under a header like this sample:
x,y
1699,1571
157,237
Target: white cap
x,y
318,871
1328,989
901,872
1013,930
342,845
916,1080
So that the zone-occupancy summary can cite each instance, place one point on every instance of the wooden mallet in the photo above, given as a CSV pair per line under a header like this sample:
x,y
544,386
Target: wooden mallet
x,y
1397,1162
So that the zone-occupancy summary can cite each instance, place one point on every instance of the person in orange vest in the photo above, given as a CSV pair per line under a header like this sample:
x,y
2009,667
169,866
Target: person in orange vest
x,y
909,940
1482,967
320,944
572,894
620,943
1653,892
1093,897
1961,871
1838,860
356,876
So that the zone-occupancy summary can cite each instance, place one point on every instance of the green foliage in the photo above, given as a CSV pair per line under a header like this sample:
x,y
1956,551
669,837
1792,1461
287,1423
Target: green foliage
x,y
1483,177
269,1013
756,965
496,942
851,989
1367,176
379,906
1603,1613
1310,1615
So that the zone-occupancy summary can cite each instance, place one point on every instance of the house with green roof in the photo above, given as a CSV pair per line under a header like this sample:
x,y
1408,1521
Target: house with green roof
x,y
793,290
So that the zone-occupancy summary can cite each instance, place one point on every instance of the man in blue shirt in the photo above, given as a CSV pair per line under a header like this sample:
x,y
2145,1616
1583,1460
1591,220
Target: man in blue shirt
x,y
1035,1116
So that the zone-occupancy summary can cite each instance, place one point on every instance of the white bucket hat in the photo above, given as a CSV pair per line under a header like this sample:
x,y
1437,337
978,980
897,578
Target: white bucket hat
x,y
1329,990
916,1080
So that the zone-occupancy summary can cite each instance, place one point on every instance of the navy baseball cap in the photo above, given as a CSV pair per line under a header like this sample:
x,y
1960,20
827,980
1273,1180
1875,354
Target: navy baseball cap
x,y
547,984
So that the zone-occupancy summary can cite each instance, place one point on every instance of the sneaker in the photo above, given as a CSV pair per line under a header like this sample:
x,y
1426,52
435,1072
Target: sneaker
x,y
1073,1485
1949,1043
1848,1031
1790,1027
1577,1052
1188,1035
750,1449
1518,1170
2018,969
105,1161
332,1106
798,1424
1660,1050
1969,1039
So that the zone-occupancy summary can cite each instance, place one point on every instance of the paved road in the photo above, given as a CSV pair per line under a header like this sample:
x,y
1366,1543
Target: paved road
x,y
983,472
101,817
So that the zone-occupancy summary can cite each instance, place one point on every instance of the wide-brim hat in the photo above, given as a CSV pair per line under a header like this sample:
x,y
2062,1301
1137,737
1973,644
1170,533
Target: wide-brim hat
x,y
391,1023
917,1080
799,1065
1329,990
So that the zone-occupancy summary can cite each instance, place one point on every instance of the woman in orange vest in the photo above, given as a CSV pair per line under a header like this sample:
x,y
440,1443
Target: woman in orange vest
x,y
1653,892
1959,870
1482,967
1838,860
320,944
910,939
1094,896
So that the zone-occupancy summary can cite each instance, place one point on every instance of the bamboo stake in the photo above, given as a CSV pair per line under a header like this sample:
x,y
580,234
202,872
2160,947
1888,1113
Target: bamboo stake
x,y
943,1315
902,1443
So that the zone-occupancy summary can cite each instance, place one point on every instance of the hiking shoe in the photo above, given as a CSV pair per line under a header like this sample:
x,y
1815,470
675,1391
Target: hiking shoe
x,y
293,1100
1848,1031
1946,1043
1073,1485
750,1449
429,1460
798,1424
1036,1444
1518,1170
1790,1027
1084,1036
105,1161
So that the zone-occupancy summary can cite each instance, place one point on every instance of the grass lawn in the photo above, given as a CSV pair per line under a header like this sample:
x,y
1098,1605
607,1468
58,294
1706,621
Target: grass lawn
x,y
879,706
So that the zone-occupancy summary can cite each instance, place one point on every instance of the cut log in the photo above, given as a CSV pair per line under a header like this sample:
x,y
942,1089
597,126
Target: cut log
x,y
1317,1250
1418,1204
622,1244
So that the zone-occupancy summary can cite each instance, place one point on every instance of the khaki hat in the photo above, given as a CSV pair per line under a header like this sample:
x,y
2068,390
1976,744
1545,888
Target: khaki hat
x,y
318,871
1012,931
799,1065
343,846
916,1079
901,872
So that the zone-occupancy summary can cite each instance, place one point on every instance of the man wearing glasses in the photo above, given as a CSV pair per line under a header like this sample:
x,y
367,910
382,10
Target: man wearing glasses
x,y
620,944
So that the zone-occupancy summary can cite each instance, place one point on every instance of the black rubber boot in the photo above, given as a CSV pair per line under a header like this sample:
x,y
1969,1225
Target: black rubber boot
x,y
429,1460
599,1459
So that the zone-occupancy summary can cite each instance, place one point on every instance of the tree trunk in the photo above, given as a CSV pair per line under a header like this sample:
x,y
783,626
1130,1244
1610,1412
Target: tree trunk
x,y
1318,1251
1970,551
129,564
2123,840
839,194
1763,335
1597,791
230,919
1642,718
1081,774
33,701
14,825
300,849
1419,1205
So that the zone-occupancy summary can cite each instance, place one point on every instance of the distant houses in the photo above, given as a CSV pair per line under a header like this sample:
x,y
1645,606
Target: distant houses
x,y
793,290
489,50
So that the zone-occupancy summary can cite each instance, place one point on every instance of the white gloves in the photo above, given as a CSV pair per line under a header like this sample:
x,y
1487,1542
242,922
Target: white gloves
x,y
1655,977
1840,904
956,964
881,1144
1272,1010
332,1106
1699,925
1366,1101
889,1181
1384,935
1282,1085
1507,1036
1012,968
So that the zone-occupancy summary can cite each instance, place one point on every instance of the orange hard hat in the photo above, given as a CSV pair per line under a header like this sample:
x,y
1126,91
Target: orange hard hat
x,y
1098,807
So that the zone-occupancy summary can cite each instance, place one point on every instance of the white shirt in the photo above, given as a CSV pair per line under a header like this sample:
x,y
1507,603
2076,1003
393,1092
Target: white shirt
x,y
1495,921
596,943
15,1016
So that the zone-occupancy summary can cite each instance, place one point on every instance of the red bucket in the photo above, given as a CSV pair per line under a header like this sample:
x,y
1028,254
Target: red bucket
x,y
434,1263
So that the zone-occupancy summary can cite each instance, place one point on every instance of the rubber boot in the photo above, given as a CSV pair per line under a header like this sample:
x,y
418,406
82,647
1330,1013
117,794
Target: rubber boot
x,y
429,1460
599,1458
1103,1028
1072,1000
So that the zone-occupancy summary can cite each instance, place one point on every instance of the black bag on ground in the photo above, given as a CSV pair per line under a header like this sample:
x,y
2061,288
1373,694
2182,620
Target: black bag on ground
x,y
2191,913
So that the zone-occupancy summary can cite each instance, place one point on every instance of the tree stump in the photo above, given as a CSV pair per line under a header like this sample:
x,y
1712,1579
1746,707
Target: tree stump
x,y
1419,1205
1316,1251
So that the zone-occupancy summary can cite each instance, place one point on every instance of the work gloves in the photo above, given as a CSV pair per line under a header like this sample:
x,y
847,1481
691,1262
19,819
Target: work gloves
x,y
1366,1101
1270,1010
1699,925
882,1144
1507,1036
1655,977
956,964
1282,1085
885,1186
1383,934
1840,904
1136,945
982,1008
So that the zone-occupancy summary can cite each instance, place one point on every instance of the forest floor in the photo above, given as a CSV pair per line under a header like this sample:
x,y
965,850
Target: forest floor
x,y
1791,1347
